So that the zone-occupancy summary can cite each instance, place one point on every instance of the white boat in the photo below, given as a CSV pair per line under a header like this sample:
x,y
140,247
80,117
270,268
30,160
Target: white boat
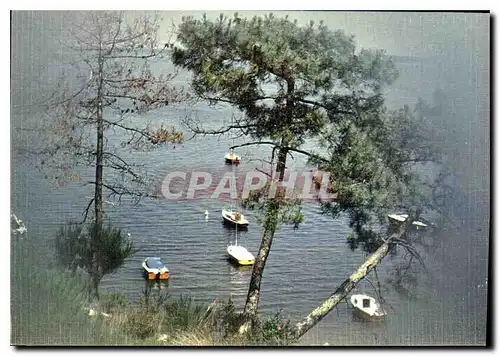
x,y
403,217
232,158
154,268
234,218
239,254
367,306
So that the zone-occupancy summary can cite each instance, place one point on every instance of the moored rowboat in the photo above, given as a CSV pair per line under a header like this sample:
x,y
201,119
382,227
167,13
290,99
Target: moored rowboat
x,y
234,218
240,255
367,307
154,268
232,158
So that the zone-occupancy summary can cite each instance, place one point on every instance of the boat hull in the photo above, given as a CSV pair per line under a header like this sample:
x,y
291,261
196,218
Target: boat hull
x,y
364,316
245,259
150,273
226,217
239,262
232,161
151,276
232,158
367,307
230,222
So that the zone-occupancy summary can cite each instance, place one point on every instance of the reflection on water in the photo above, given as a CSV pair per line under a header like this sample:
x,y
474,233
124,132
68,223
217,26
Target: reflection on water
x,y
239,277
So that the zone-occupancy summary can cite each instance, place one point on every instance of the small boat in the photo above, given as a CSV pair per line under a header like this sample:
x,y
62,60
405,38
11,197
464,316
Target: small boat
x,y
403,217
240,255
232,158
367,307
234,218
154,268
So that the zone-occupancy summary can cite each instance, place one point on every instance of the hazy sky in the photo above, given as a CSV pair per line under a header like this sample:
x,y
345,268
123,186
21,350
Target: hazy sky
x,y
399,33
461,39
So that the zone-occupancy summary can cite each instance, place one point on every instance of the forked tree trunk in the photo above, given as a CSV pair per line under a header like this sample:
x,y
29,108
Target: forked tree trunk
x,y
343,290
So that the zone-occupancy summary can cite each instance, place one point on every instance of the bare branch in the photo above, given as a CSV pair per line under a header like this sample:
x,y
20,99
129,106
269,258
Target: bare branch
x,y
261,171
124,166
312,155
155,54
255,143
198,131
86,211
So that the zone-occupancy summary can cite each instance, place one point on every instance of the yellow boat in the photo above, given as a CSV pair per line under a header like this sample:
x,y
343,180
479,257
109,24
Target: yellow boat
x,y
240,255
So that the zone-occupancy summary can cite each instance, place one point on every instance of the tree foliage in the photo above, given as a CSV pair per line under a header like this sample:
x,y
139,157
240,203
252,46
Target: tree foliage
x,y
373,162
288,80
97,250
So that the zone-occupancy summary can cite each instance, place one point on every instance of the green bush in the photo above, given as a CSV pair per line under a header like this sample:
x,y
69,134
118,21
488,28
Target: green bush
x,y
142,324
274,331
183,314
228,319
98,250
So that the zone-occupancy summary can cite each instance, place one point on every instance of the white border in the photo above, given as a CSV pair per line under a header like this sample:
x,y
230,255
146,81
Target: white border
x,y
183,5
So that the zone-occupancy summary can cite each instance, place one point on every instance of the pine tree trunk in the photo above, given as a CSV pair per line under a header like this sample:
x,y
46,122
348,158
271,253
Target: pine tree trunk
x,y
253,296
271,223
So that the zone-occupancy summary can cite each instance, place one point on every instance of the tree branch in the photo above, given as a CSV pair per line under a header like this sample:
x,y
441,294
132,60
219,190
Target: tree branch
x,y
86,211
198,131
255,143
261,171
312,155
127,128
234,102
